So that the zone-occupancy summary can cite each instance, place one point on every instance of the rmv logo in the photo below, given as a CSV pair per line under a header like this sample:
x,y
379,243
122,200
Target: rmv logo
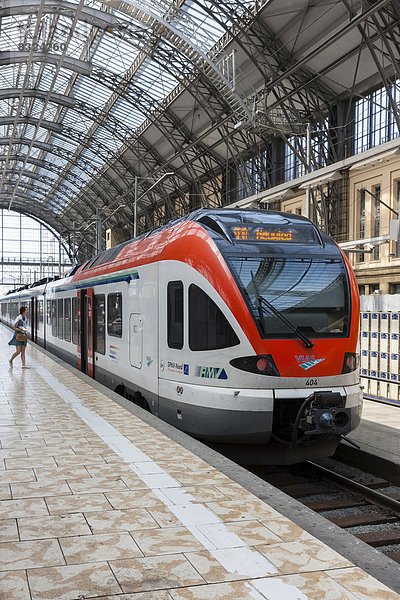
x,y
211,373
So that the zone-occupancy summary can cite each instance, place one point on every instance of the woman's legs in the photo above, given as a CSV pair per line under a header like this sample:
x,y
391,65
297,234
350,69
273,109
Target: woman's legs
x,y
23,355
17,351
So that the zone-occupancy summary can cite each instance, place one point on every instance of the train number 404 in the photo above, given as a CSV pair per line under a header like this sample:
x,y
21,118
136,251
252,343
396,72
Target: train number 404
x,y
312,382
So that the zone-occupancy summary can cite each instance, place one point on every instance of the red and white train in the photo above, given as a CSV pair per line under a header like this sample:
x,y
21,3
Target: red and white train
x,y
238,327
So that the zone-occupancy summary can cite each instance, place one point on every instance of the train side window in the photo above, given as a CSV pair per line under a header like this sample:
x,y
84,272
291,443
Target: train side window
x,y
48,311
208,327
114,314
100,323
54,318
40,311
67,319
175,314
60,318
74,320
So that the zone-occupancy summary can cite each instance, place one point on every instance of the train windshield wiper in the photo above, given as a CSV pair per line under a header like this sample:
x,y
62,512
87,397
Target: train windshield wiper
x,y
260,301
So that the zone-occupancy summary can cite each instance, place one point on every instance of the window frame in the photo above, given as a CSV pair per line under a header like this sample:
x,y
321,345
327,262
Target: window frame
x,y
110,333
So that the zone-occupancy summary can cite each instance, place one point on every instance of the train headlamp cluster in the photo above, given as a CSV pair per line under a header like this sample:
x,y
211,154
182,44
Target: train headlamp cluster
x,y
350,362
261,365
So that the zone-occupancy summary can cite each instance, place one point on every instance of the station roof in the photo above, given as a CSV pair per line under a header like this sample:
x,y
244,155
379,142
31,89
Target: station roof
x,y
94,93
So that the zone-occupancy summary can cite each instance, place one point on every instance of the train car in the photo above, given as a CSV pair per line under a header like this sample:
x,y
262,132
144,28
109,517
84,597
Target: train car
x,y
238,327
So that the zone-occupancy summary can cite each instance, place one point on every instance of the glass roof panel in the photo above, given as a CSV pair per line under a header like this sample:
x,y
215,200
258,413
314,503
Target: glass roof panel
x,y
114,54
127,113
91,92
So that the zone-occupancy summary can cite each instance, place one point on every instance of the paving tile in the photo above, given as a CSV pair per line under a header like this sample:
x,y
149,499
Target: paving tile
x,y
164,517
158,595
22,508
11,476
8,531
5,492
61,473
156,572
97,484
166,541
287,530
77,503
234,510
133,499
14,586
362,585
38,489
219,591
252,533
53,526
120,520
99,548
30,463
307,555
194,494
27,555
72,582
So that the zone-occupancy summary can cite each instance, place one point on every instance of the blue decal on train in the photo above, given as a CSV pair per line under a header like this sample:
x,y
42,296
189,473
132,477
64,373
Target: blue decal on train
x,y
211,372
306,362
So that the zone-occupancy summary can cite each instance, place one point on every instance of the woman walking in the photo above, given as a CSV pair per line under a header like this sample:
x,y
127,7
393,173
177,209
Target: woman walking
x,y
19,337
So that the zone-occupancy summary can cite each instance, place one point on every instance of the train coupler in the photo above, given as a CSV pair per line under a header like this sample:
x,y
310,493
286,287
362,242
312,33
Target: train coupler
x,y
321,413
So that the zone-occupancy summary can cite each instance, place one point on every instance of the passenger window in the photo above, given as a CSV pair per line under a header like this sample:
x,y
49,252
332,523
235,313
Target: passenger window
x,y
60,319
175,314
99,324
208,327
40,311
54,318
114,315
67,319
74,320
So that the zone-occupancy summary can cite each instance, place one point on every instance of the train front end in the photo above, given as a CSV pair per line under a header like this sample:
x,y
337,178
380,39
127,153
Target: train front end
x,y
302,322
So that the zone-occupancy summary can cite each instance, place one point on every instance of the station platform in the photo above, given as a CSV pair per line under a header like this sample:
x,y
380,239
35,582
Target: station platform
x,y
379,439
99,499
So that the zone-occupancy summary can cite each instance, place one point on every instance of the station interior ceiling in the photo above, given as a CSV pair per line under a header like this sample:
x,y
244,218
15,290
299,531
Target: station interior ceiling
x,y
165,103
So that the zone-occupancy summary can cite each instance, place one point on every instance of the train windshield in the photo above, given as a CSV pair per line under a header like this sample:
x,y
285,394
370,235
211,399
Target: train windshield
x,y
311,294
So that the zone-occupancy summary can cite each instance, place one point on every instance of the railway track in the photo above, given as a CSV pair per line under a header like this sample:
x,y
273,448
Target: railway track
x,y
364,504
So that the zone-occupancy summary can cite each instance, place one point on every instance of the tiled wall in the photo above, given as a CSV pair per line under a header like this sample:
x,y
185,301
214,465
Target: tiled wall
x,y
379,348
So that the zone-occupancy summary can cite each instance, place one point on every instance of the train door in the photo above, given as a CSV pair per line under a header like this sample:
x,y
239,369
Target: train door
x,y
173,368
136,340
82,346
90,332
34,319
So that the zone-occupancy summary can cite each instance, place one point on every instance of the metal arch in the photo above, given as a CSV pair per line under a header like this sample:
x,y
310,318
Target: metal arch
x,y
59,152
75,180
63,131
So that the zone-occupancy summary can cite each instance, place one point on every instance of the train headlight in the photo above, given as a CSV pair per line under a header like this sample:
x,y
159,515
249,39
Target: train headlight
x,y
261,365
350,362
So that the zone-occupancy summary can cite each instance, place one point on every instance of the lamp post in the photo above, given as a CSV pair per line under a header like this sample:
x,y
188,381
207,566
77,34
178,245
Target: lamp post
x,y
144,194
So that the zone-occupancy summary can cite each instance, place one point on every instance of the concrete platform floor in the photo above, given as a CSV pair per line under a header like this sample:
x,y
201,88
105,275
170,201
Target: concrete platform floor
x,y
101,500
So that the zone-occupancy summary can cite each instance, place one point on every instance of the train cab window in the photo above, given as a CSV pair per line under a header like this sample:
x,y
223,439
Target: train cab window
x,y
100,324
175,314
54,318
114,314
74,320
67,319
60,318
208,327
